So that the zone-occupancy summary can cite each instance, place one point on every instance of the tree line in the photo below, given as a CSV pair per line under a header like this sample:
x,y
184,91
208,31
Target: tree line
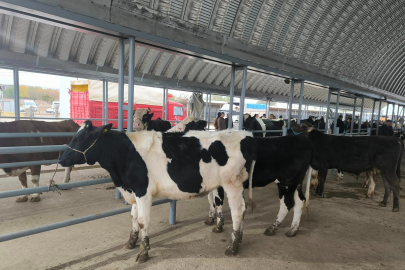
x,y
33,92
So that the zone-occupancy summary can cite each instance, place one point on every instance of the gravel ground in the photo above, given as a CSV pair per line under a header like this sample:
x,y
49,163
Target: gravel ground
x,y
344,231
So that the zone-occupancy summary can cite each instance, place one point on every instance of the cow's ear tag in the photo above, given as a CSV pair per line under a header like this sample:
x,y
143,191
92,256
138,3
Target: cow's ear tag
x,y
105,130
309,130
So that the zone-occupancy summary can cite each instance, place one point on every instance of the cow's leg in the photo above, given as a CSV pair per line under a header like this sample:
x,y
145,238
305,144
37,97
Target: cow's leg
x,y
68,170
322,178
395,191
133,237
298,204
219,202
371,178
211,214
314,181
144,205
339,175
238,209
388,188
367,179
35,174
23,179
281,213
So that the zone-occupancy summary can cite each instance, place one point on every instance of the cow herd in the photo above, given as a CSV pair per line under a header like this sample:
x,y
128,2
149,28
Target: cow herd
x,y
185,162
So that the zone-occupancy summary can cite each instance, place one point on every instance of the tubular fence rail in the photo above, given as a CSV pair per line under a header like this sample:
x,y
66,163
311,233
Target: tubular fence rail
x,y
27,191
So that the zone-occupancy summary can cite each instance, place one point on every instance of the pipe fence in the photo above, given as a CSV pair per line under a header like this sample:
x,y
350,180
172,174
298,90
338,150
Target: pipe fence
x,y
27,191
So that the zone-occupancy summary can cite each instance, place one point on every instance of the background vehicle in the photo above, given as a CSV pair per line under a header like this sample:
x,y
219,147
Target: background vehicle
x,y
86,101
28,104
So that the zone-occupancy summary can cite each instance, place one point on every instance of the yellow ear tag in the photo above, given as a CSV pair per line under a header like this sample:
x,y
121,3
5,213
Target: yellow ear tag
x,y
105,130
309,130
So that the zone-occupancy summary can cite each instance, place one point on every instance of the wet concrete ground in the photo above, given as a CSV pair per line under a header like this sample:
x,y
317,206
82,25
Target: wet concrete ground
x,y
344,231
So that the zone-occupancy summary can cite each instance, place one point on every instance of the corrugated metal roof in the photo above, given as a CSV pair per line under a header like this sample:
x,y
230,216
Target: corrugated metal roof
x,y
354,39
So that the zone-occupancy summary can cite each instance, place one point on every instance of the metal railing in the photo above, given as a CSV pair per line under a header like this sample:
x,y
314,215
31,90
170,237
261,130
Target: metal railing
x,y
27,191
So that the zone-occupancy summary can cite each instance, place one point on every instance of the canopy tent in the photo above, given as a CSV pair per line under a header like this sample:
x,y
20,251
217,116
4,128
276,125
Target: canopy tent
x,y
142,94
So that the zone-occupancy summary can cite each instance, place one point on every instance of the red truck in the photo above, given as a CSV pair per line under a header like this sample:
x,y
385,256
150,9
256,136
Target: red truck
x,y
86,102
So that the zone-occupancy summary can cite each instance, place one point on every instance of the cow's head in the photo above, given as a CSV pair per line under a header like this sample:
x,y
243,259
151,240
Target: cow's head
x,y
141,119
247,120
301,129
83,147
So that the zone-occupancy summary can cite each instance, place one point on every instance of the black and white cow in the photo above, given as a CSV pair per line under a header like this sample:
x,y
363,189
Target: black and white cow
x,y
252,123
143,121
356,155
284,160
189,123
151,164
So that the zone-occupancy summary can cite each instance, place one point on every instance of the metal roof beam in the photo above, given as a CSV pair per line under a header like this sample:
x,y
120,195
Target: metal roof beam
x,y
124,20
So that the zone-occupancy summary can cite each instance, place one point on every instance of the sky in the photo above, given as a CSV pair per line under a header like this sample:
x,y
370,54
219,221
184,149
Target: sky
x,y
29,78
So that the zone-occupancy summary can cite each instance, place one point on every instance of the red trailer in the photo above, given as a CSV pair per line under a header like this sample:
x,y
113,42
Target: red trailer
x,y
85,103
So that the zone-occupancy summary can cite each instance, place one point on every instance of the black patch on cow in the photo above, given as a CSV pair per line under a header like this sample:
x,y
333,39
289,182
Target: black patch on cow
x,y
288,194
206,156
218,152
220,201
185,154
248,149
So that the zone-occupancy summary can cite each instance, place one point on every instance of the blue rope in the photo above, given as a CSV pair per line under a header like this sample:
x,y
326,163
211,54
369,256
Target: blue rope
x,y
296,133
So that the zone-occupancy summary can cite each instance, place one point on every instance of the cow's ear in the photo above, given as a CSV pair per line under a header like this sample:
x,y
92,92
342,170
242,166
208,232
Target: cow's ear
x,y
103,129
150,116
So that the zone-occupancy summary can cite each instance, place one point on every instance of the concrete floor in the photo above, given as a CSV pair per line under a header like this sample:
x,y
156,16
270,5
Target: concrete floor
x,y
344,231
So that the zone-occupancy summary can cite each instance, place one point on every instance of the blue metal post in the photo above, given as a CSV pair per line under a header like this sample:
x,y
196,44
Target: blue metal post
x,y
290,104
172,217
378,118
131,67
361,114
231,99
300,104
336,113
16,94
242,98
327,113
120,96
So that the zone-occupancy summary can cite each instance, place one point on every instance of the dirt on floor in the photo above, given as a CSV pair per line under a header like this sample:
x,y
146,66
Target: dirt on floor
x,y
345,230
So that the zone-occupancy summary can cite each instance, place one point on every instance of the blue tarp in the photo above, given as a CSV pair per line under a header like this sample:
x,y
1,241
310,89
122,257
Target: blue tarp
x,y
256,106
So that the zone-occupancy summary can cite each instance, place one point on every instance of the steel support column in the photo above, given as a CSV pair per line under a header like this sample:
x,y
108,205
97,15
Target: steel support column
x,y
378,118
396,120
242,97
361,114
16,94
290,104
120,95
402,119
167,104
267,107
131,68
327,112
335,131
393,112
386,112
209,113
121,85
300,104
372,114
164,104
231,93
353,116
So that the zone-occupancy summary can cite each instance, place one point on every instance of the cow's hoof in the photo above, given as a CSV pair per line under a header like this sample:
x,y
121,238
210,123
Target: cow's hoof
x,y
133,238
395,209
291,233
370,195
210,221
141,258
217,229
35,199
234,244
382,204
22,198
270,231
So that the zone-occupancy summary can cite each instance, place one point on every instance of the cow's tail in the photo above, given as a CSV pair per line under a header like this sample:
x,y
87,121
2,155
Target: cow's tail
x,y
309,174
251,203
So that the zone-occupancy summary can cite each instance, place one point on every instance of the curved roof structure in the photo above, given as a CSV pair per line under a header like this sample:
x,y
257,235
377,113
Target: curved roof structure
x,y
358,43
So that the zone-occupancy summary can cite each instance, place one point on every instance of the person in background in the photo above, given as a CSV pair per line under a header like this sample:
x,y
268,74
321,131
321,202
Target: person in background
x,y
227,121
281,117
256,115
386,129
348,124
263,116
321,124
219,122
272,116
